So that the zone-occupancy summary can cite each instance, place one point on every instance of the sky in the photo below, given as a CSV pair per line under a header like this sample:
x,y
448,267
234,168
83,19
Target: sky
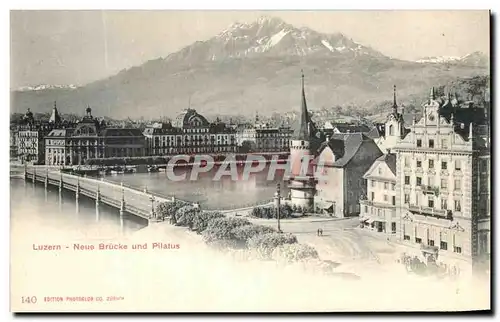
x,y
78,47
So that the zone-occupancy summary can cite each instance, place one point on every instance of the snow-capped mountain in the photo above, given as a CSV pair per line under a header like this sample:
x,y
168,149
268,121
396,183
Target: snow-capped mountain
x,y
476,58
438,59
269,36
252,67
45,86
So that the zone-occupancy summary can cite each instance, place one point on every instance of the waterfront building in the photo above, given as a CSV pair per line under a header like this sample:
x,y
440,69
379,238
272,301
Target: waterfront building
x,y
91,139
14,138
262,137
190,133
344,158
378,207
30,139
443,184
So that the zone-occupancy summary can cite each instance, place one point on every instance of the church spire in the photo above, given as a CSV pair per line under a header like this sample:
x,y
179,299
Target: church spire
x,y
302,131
55,118
395,104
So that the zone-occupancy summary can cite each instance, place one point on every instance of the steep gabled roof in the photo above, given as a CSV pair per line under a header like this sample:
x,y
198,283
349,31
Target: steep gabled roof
x,y
388,159
303,128
345,146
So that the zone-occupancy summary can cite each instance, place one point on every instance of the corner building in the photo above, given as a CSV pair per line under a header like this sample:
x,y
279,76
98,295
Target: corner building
x,y
442,184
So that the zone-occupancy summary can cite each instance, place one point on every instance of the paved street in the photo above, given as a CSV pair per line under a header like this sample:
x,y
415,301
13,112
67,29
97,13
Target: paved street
x,y
342,241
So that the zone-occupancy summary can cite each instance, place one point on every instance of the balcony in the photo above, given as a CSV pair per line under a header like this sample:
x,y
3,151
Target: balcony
x,y
430,189
428,211
429,250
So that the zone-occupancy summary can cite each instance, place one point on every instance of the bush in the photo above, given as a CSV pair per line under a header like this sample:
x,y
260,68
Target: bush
x,y
269,212
185,216
294,253
202,219
245,233
168,208
222,229
265,244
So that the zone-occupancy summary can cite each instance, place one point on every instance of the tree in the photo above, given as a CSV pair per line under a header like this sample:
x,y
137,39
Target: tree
x,y
186,215
265,244
168,208
244,233
247,146
202,219
222,229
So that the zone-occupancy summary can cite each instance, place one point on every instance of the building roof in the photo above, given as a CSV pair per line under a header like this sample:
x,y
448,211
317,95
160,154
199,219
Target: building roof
x,y
352,128
60,133
188,117
121,132
303,127
390,160
55,118
374,133
345,146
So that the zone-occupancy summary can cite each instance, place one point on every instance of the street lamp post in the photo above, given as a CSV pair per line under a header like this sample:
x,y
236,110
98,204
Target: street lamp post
x,y
278,205
152,198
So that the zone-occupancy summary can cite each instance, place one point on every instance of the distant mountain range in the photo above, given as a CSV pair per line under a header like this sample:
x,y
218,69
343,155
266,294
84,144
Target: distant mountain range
x,y
252,67
42,87
473,59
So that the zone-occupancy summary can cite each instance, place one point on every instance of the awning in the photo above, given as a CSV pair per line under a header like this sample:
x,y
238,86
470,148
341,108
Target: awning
x,y
325,204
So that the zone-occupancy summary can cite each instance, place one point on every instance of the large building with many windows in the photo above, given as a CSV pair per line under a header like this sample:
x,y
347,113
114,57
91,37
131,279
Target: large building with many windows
x,y
261,137
91,139
190,133
30,134
442,183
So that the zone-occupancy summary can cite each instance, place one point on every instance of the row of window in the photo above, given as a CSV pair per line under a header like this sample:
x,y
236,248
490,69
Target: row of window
x,y
457,182
386,198
442,245
430,143
386,185
430,163
431,203
378,211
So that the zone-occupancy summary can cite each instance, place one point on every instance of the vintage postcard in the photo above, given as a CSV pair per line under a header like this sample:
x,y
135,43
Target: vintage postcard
x,y
244,161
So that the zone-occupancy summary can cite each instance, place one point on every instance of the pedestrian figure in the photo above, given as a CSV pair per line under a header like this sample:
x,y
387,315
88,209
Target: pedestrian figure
x,y
317,232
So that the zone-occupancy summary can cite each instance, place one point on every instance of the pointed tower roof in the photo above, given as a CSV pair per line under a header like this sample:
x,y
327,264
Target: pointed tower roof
x,y
432,96
395,104
302,130
55,118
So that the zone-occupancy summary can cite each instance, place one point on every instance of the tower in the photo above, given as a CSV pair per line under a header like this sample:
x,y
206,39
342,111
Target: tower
x,y
55,118
394,126
301,181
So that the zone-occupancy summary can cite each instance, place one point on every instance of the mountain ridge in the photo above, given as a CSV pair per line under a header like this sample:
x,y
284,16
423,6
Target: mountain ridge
x,y
251,67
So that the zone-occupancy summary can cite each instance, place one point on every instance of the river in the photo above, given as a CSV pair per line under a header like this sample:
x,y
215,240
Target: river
x,y
212,194
34,204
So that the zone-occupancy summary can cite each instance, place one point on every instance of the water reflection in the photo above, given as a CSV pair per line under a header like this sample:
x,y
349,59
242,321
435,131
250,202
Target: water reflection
x,y
35,204
205,190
